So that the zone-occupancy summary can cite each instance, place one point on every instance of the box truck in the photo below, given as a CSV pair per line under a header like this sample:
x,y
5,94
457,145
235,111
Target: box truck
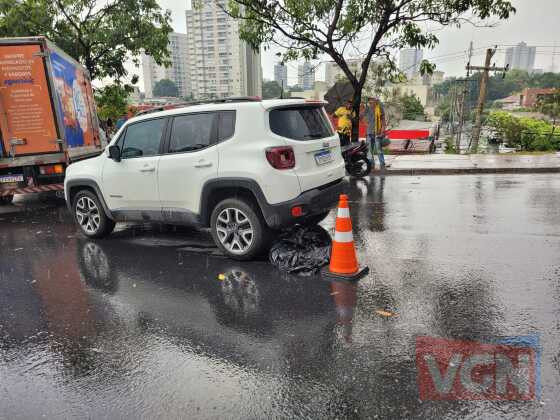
x,y
47,116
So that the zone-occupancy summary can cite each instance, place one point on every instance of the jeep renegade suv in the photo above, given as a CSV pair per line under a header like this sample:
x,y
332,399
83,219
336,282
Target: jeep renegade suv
x,y
242,167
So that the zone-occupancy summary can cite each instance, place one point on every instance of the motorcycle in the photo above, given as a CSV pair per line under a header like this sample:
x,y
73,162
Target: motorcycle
x,y
356,159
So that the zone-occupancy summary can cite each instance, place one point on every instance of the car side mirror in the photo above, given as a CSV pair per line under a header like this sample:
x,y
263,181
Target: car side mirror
x,y
115,153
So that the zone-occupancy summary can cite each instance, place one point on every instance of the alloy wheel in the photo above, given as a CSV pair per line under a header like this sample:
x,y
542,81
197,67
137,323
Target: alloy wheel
x,y
87,214
234,230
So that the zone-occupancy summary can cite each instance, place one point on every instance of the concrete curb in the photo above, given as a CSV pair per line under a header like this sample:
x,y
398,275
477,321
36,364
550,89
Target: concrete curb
x,y
464,171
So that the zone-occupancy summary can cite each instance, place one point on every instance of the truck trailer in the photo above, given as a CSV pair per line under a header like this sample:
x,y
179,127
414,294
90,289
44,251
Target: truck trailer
x,y
48,117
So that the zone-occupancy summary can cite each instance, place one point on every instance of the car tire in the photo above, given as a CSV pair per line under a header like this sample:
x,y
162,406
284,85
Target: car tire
x,y
90,216
238,229
315,219
6,199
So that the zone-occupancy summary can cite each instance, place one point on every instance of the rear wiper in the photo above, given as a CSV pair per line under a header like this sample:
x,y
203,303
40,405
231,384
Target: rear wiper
x,y
313,136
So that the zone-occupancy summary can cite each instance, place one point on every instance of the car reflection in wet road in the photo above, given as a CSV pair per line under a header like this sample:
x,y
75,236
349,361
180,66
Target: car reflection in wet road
x,y
153,322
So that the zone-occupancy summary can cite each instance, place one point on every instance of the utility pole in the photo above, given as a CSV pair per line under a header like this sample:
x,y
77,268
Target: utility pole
x,y
552,66
464,102
482,95
451,122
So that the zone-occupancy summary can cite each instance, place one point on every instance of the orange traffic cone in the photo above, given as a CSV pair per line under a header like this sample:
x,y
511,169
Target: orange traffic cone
x,y
344,264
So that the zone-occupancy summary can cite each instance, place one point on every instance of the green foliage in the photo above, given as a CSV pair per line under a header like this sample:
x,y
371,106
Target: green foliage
x,y
101,34
271,90
500,87
427,68
112,101
525,133
412,108
550,105
165,87
443,110
450,146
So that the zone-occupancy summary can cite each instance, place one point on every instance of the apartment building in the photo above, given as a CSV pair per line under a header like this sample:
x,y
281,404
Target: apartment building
x,y
177,72
281,75
220,63
521,57
409,61
306,76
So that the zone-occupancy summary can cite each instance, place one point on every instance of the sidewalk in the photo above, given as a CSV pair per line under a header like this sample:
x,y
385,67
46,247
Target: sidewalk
x,y
469,164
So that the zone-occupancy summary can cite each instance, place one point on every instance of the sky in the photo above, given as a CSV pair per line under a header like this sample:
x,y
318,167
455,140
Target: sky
x,y
537,22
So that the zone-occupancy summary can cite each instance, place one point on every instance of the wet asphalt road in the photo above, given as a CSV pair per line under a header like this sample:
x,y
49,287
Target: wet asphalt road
x,y
141,326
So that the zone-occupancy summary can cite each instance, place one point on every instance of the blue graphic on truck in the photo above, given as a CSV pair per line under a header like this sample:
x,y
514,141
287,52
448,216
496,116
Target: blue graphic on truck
x,y
71,86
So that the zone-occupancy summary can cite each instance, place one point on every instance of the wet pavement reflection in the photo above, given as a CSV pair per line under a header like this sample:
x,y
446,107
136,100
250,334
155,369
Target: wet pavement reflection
x,y
154,322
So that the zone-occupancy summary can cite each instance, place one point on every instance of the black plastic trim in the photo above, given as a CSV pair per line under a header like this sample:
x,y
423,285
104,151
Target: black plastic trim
x,y
315,201
85,182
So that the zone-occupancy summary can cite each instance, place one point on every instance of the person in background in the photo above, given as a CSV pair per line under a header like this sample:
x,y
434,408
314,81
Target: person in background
x,y
376,126
109,129
120,122
344,115
102,136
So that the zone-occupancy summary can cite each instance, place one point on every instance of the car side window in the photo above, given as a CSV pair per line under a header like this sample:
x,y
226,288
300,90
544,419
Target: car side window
x,y
226,126
192,132
142,139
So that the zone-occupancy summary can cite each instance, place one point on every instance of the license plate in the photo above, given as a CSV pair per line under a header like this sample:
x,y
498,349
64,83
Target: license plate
x,y
323,157
7,179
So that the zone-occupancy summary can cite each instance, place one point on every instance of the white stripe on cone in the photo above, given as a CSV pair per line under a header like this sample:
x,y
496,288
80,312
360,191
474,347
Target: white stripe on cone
x,y
343,237
343,212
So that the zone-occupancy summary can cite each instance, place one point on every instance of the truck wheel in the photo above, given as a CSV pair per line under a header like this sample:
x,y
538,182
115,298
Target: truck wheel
x,y
238,229
90,216
6,199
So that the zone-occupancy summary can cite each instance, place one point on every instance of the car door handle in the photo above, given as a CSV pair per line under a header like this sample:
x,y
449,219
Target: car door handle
x,y
203,164
148,170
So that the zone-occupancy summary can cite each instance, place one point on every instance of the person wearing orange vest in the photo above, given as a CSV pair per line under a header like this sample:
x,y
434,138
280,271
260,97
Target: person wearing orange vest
x,y
376,126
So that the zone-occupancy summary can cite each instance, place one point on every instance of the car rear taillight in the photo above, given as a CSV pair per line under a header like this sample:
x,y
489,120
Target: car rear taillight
x,y
281,157
51,169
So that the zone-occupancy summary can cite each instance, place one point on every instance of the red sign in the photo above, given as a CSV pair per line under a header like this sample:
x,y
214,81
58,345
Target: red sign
x,y
408,134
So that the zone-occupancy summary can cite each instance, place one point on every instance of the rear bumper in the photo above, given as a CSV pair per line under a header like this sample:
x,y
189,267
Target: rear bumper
x,y
315,201
32,190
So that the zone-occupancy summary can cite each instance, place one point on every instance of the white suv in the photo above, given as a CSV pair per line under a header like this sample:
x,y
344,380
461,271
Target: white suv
x,y
242,167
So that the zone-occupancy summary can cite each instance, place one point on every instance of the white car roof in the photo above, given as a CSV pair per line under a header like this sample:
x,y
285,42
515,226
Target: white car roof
x,y
226,106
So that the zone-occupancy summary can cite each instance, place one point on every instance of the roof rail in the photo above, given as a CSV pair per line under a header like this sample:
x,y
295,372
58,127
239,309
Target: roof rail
x,y
231,99
150,111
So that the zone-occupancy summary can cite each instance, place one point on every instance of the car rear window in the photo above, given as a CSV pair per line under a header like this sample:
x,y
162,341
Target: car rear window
x,y
300,123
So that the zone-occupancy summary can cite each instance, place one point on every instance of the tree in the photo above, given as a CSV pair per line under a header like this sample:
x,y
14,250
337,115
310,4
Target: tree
x,y
165,87
550,105
412,108
370,28
112,101
100,34
524,133
271,90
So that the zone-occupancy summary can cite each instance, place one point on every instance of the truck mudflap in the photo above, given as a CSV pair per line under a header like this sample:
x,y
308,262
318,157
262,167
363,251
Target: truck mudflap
x,y
31,190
